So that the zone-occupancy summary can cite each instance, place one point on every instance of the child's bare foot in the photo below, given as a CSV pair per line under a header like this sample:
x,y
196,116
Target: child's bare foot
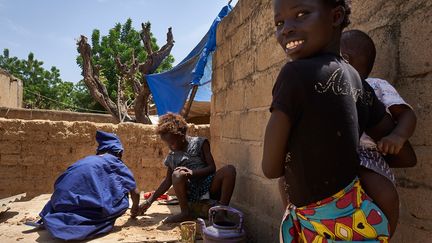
x,y
177,218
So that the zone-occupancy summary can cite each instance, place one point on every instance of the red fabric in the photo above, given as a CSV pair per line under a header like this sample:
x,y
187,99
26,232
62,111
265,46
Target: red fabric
x,y
147,195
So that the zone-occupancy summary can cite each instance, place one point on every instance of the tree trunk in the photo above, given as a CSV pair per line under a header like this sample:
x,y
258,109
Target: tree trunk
x,y
141,104
189,104
153,61
97,89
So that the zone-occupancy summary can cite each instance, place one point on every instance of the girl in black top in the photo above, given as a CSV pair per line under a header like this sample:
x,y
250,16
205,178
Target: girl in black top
x,y
313,132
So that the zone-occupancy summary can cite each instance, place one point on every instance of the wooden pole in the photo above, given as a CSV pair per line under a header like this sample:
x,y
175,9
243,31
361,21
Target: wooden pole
x,y
189,104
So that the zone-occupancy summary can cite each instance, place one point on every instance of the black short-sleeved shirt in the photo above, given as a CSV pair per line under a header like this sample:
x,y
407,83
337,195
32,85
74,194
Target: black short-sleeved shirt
x,y
322,95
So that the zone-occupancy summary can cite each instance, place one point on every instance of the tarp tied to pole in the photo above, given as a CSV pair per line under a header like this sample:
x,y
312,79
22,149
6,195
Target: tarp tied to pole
x,y
171,89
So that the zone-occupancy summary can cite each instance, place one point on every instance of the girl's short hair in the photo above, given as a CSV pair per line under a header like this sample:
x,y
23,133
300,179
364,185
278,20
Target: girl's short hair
x,y
172,123
346,4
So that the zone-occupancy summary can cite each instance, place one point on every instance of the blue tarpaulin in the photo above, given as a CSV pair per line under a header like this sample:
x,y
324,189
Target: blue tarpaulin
x,y
171,89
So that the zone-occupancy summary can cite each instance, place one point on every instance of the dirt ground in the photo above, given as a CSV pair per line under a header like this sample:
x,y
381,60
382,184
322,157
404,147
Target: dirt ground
x,y
143,229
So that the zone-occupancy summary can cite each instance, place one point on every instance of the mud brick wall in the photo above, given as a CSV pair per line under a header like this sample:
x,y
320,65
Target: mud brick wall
x,y
245,67
34,153
11,90
54,115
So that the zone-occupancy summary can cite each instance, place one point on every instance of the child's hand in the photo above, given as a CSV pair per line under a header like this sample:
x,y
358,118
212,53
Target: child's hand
x,y
143,207
188,172
390,144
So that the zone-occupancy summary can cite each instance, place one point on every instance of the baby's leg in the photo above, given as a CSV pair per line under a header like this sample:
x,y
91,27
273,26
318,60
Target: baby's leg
x,y
383,193
223,184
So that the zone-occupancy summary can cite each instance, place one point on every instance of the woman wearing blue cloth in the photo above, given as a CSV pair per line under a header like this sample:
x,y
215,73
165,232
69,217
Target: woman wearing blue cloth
x,y
91,194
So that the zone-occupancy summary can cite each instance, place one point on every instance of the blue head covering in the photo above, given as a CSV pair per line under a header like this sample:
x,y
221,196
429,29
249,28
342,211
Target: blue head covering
x,y
108,142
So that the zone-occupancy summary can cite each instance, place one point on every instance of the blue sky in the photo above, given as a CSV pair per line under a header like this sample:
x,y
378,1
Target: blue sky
x,y
49,28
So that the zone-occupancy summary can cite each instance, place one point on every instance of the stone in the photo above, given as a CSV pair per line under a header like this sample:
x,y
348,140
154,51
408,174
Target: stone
x,y
386,61
416,91
263,23
266,59
241,38
231,125
415,41
235,94
244,65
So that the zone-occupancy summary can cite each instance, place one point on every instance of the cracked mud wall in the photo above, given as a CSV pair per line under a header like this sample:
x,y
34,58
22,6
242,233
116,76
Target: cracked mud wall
x,y
34,153
11,90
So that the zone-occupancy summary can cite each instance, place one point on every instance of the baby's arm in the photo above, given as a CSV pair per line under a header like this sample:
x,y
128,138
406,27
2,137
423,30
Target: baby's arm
x,y
406,156
406,123
401,113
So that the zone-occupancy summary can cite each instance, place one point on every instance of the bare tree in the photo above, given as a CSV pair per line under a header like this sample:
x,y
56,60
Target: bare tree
x,y
127,77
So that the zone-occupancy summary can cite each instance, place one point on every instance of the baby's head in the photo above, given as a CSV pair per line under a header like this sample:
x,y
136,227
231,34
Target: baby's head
x,y
172,129
359,50
308,27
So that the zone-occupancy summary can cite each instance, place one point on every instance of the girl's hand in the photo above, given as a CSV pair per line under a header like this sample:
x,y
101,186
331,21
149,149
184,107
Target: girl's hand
x,y
143,208
188,172
390,144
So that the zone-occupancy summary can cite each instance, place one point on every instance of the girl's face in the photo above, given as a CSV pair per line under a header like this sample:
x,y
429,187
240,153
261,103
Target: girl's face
x,y
175,142
305,27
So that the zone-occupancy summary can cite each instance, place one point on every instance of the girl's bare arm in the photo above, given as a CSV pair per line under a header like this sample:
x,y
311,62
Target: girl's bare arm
x,y
275,144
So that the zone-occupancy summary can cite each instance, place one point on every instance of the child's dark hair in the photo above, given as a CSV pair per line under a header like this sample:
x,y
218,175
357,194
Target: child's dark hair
x,y
172,123
346,4
361,44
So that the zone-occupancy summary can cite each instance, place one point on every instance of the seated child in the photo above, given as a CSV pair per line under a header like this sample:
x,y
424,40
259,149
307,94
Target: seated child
x,y
359,50
191,169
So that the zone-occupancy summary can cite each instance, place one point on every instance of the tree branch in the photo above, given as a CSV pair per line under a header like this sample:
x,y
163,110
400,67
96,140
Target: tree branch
x,y
91,78
129,74
154,60
146,37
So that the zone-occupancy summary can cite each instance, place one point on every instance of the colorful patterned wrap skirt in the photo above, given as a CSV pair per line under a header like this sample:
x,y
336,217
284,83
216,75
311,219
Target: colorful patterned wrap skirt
x,y
348,216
